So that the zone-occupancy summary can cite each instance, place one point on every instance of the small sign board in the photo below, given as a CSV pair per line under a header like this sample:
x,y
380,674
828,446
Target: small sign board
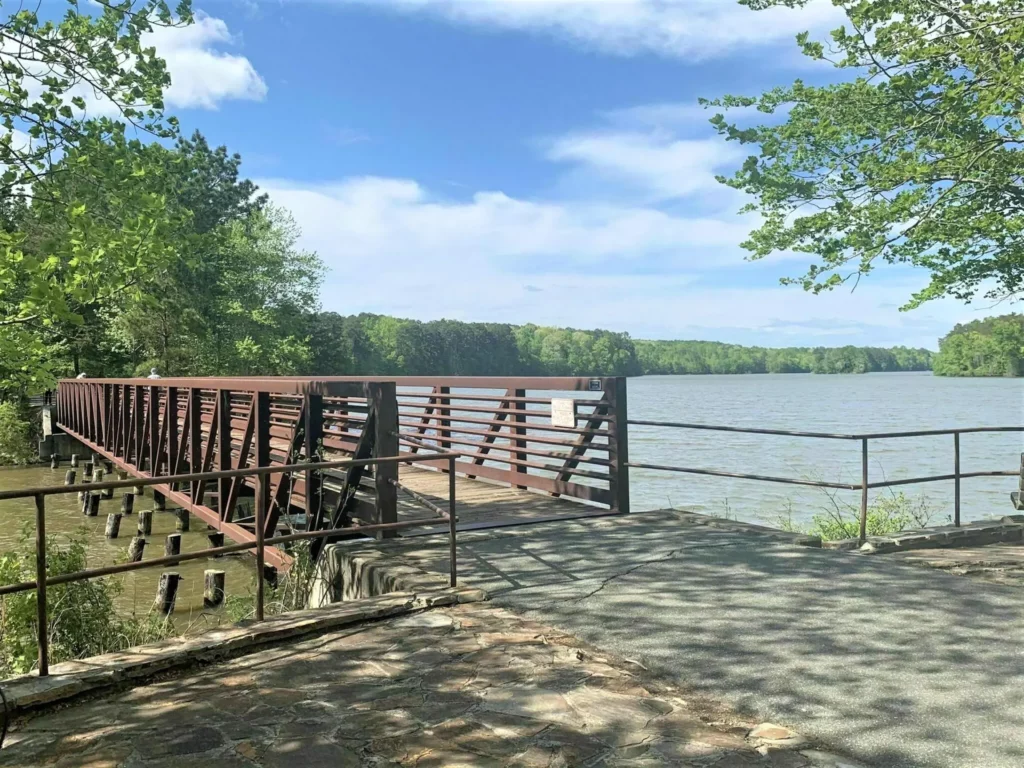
x,y
595,385
563,412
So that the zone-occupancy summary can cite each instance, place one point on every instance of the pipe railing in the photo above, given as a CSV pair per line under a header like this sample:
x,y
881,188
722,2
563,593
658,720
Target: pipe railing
x,y
864,486
39,494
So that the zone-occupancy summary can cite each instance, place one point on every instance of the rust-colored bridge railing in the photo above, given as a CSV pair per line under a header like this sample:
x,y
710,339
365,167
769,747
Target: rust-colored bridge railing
x,y
865,485
503,428
259,544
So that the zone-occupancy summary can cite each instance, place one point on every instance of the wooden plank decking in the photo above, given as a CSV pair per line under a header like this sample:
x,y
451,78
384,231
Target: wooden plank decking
x,y
483,504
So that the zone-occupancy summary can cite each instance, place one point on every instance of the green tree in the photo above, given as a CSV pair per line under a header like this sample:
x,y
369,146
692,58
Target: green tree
x,y
990,347
57,74
914,157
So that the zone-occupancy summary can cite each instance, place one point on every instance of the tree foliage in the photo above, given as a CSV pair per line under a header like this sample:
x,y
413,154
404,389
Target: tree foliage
x,y
69,89
377,344
990,347
913,158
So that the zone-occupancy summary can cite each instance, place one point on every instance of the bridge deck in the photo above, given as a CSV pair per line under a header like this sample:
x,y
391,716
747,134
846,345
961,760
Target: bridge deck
x,y
482,504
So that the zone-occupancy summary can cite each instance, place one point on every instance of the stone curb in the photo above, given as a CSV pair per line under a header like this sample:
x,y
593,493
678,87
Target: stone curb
x,y
73,678
1007,529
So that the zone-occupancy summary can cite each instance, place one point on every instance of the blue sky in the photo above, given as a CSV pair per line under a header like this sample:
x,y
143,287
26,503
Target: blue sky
x,y
523,160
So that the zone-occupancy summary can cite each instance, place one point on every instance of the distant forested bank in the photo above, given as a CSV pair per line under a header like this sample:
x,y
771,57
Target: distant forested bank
x,y
990,347
377,344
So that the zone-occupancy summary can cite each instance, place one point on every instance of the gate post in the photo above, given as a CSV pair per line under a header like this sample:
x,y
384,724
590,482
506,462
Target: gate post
x,y
382,401
618,443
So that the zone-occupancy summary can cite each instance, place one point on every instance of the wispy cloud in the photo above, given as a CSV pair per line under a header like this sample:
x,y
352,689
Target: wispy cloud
x,y
674,28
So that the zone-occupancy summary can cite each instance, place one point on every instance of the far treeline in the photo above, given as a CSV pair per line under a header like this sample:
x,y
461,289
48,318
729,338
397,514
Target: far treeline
x,y
993,346
380,345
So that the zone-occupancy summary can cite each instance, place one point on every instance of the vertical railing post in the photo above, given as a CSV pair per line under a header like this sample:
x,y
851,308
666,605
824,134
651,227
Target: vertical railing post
x,y
172,431
313,433
138,414
195,440
263,482
223,449
453,578
519,418
618,443
154,430
863,490
956,479
43,633
382,402
445,422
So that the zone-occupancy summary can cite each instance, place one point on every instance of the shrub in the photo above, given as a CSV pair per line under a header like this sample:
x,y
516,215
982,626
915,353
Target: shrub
x,y
840,520
82,619
15,435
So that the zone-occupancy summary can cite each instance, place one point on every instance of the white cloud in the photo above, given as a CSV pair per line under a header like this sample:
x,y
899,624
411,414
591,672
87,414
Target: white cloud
x,y
656,162
691,28
202,75
397,225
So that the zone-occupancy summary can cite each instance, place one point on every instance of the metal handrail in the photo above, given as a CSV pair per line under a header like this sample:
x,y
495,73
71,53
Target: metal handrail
x,y
42,582
864,485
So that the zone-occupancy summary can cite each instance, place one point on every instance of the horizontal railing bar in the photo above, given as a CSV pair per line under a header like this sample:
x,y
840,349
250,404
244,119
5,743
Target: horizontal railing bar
x,y
507,447
299,384
744,476
56,490
823,435
940,478
111,570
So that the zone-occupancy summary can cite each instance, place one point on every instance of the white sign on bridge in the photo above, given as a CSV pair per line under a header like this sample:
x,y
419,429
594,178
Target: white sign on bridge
x,y
563,412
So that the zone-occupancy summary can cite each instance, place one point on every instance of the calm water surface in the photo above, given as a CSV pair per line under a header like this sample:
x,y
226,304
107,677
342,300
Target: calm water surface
x,y
875,402
64,519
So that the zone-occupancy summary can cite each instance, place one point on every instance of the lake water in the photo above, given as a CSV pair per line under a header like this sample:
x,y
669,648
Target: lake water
x,y
864,403
876,402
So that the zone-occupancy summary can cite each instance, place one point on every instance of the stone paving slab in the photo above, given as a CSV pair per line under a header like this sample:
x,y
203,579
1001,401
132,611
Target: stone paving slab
x,y
470,685
996,563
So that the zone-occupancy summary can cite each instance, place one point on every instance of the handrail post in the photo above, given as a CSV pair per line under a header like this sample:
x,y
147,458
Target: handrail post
x,y
618,443
956,479
452,555
43,634
381,398
262,415
863,490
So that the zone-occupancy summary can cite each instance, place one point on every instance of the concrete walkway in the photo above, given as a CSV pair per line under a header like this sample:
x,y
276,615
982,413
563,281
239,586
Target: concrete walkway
x,y
894,664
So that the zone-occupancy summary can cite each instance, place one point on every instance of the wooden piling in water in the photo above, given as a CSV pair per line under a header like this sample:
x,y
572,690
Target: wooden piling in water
x,y
88,469
213,591
167,592
54,461
109,466
270,576
113,525
146,522
85,481
173,545
139,490
136,548
94,504
159,500
182,523
74,459
69,477
216,539
127,504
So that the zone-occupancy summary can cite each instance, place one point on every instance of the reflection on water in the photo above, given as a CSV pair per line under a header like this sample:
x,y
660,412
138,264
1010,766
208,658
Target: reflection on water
x,y
855,403
64,520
